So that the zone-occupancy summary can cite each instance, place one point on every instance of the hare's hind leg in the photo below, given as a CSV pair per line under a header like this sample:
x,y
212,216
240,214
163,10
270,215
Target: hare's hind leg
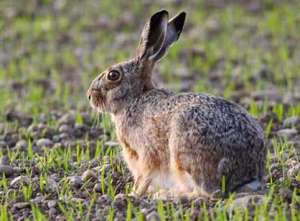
x,y
195,171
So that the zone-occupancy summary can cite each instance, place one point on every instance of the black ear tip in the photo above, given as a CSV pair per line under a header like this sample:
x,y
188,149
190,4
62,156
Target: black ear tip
x,y
159,16
160,13
182,14
179,20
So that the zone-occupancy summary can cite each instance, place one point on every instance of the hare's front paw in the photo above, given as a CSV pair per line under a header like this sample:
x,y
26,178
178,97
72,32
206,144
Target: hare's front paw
x,y
141,186
163,194
172,194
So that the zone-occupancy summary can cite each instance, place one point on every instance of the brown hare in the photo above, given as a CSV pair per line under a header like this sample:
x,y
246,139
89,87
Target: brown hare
x,y
186,144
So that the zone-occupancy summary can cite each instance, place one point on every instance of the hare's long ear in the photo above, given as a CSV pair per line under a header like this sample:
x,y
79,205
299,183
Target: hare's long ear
x,y
174,29
153,36
159,34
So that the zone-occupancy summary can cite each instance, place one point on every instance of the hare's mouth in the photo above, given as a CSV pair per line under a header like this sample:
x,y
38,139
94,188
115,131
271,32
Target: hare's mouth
x,y
97,101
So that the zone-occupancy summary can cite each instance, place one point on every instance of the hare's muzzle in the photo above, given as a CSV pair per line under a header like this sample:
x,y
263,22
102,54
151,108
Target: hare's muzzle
x,y
95,97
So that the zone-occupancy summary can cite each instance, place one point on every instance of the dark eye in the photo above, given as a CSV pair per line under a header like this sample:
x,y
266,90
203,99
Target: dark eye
x,y
113,75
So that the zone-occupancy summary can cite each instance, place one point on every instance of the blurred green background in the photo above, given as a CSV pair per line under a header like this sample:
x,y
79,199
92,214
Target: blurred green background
x,y
51,50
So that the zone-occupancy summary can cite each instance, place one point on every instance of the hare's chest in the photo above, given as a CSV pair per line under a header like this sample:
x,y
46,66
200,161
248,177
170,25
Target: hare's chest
x,y
131,157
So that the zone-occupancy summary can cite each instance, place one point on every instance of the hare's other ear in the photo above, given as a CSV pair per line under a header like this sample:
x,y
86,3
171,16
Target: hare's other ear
x,y
153,35
174,29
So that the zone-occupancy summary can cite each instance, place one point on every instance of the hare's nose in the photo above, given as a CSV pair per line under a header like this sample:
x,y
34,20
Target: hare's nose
x,y
89,94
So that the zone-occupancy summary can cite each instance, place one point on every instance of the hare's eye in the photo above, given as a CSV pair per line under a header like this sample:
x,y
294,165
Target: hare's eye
x,y
113,75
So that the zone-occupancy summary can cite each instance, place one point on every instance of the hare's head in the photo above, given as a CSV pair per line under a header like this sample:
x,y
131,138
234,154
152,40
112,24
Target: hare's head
x,y
119,84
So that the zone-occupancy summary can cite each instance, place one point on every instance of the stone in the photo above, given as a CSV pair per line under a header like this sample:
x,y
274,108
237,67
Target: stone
x,y
287,133
63,136
75,181
22,145
112,143
98,188
286,193
251,187
21,205
291,122
52,212
269,94
51,203
245,202
32,128
68,118
153,216
89,175
104,199
5,160
52,184
3,144
6,170
120,201
86,118
18,181
294,171
56,138
64,128
44,142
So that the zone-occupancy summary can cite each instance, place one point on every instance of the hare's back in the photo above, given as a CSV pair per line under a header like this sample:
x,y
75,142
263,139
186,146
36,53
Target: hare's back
x,y
214,122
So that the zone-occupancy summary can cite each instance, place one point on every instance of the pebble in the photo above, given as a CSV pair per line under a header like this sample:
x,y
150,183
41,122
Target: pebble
x,y
296,145
294,171
51,203
286,193
75,181
245,202
153,216
291,122
104,199
199,201
44,142
269,94
38,199
64,128
52,184
120,201
58,145
32,128
15,116
251,187
22,145
52,212
6,170
21,205
18,181
68,118
287,133
5,160
56,138
3,144
89,175
63,136
86,118
112,143
98,188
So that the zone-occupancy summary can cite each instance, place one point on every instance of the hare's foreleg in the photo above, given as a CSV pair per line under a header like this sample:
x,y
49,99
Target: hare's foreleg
x,y
141,185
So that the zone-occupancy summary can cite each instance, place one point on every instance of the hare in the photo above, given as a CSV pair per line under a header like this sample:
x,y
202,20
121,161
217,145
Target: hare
x,y
182,144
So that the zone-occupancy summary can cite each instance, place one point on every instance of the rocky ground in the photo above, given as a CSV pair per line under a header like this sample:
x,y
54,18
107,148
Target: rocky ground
x,y
70,167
